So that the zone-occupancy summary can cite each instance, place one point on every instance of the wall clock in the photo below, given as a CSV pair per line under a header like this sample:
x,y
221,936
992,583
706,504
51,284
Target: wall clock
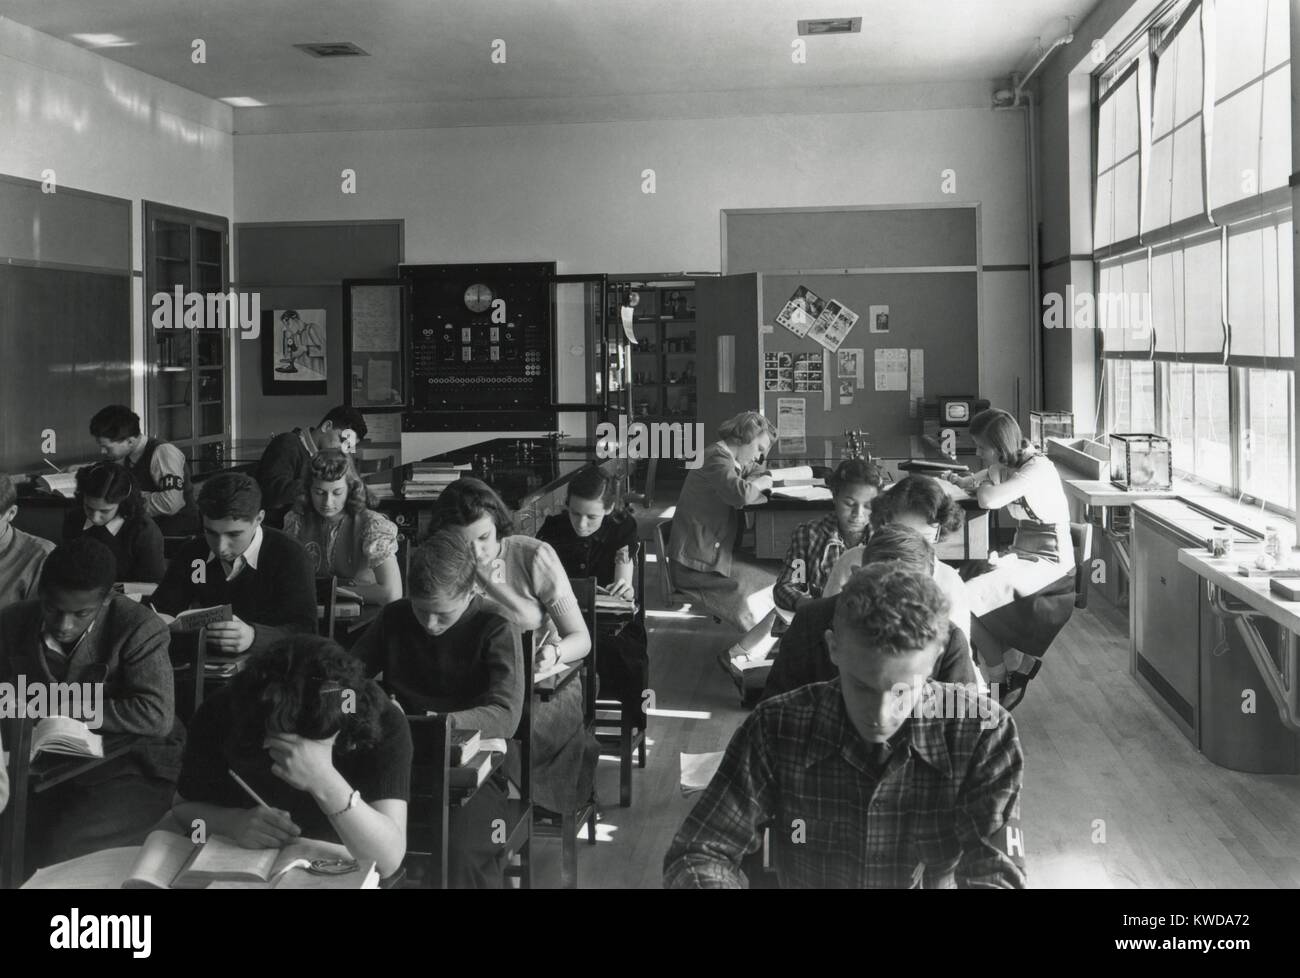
x,y
478,298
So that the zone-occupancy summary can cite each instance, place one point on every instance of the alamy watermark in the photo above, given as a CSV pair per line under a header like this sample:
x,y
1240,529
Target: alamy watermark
x,y
179,309
41,700
1086,310
653,439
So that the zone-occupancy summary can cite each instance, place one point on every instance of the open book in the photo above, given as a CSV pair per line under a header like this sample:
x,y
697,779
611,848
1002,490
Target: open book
x,y
792,473
60,483
170,861
64,735
196,618
812,494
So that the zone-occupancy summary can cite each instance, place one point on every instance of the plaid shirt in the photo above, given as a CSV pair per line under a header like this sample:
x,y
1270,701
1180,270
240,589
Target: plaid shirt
x,y
818,545
946,801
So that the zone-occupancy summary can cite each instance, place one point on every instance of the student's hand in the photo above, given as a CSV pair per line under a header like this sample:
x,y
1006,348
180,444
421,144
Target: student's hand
x,y
547,656
264,828
620,589
231,637
300,762
763,482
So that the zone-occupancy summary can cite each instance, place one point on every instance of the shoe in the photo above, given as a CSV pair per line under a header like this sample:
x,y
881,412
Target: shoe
x,y
1013,689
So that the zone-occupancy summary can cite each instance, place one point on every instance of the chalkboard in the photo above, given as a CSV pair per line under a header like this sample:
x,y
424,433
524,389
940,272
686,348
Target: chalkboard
x,y
65,352
935,312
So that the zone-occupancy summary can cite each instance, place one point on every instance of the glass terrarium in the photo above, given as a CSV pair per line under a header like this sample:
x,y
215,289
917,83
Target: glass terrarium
x,y
1049,424
1141,461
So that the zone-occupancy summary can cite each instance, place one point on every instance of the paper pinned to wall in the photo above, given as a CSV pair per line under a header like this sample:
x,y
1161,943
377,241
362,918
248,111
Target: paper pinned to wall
x,y
383,429
916,391
379,385
891,369
791,416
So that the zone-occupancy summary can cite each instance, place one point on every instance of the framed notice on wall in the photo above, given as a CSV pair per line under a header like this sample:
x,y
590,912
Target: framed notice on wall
x,y
374,344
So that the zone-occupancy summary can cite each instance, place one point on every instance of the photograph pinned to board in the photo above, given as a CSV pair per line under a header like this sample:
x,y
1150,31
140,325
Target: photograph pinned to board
x,y
878,316
778,372
851,365
832,327
846,393
800,311
808,373
792,446
891,369
790,417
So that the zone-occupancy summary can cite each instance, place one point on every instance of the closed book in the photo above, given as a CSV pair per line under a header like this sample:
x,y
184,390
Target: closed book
x,y
196,618
1286,588
462,746
472,773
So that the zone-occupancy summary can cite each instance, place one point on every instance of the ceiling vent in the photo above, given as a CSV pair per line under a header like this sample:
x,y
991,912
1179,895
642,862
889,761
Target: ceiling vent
x,y
333,49
832,25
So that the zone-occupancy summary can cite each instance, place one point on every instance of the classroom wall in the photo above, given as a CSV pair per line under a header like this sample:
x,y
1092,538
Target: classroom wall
x,y
573,192
106,128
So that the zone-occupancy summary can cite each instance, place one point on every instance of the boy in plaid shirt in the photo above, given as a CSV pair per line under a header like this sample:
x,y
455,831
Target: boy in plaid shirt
x,y
880,778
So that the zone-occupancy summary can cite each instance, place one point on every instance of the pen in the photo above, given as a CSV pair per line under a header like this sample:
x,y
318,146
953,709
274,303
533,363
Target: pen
x,y
251,793
52,465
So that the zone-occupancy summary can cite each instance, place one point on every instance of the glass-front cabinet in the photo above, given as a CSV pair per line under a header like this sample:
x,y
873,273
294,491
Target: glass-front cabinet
x,y
187,393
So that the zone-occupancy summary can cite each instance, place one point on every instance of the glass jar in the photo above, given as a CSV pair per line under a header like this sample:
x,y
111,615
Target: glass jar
x,y
1220,544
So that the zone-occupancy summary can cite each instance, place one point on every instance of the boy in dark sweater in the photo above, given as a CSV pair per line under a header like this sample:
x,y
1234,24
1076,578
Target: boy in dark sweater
x,y
265,575
442,652
285,465
115,651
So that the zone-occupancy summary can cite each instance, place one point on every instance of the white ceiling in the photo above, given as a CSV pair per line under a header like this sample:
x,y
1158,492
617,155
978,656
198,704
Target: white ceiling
x,y
439,51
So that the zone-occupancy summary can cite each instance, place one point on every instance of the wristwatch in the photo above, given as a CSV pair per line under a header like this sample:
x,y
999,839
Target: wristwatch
x,y
352,803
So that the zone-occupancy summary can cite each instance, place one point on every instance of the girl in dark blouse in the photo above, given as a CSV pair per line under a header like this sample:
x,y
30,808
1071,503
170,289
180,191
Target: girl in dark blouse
x,y
316,740
111,511
594,539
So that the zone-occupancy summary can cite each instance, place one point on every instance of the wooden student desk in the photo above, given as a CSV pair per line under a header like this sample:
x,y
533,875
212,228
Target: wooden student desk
x,y
776,519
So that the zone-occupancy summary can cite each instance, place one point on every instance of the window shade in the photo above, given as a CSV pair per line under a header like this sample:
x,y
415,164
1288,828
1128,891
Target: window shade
x,y
1118,175
1260,296
1175,178
1187,297
1251,141
1123,306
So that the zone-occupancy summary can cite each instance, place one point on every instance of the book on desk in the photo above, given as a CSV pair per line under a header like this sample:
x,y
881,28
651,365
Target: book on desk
x,y
169,861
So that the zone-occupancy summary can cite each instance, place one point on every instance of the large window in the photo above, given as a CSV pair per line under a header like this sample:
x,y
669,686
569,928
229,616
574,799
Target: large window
x,y
1192,242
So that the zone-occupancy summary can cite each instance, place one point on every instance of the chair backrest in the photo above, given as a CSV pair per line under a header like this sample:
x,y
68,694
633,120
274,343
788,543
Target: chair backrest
x,y
17,738
189,665
327,593
427,824
663,532
584,590
524,734
1081,538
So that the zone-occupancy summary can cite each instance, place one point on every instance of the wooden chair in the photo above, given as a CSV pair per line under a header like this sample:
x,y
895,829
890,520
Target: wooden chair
x,y
1081,537
620,724
519,827
189,671
17,738
326,600
429,813
566,825
663,532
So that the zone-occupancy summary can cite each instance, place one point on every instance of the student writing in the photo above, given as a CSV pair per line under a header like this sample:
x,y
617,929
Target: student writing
x,y
160,469
111,511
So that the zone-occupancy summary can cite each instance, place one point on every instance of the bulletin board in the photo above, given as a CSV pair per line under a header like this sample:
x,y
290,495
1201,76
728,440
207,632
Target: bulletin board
x,y
936,313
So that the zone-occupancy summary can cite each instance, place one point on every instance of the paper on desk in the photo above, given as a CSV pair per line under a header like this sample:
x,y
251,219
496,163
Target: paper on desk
x,y
794,473
103,870
812,494
698,770
954,491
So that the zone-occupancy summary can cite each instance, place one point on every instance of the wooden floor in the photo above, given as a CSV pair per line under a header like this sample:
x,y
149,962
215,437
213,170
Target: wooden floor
x,y
1114,795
